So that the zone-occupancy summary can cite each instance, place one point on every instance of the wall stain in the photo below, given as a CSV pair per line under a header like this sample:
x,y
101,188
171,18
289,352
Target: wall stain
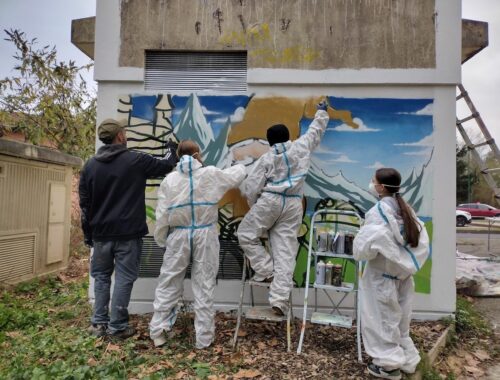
x,y
242,21
197,27
218,16
285,23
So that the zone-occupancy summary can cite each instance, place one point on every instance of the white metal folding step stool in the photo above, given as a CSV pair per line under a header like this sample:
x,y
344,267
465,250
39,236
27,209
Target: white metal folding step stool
x,y
335,317
263,313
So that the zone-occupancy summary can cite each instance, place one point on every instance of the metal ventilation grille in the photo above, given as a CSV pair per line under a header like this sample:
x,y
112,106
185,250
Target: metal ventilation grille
x,y
17,256
196,71
230,260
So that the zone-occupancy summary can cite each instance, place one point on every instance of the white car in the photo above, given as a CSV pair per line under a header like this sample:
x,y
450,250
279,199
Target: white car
x,y
463,218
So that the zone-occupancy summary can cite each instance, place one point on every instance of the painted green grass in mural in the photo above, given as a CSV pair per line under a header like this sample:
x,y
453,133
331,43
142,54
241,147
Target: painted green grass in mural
x,y
150,213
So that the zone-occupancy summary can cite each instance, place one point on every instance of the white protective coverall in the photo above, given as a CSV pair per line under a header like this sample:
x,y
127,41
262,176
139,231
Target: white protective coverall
x,y
274,190
186,223
387,286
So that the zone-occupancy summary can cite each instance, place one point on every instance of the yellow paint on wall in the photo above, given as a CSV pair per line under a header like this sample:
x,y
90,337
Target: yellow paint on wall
x,y
233,39
233,197
262,113
257,33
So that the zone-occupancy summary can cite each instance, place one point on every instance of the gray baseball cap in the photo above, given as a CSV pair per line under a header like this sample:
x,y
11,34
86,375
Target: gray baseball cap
x,y
109,128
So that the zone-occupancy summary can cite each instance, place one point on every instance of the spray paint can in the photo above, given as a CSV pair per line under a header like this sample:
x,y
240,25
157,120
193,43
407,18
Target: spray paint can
x,y
337,275
348,243
328,273
322,241
320,273
340,247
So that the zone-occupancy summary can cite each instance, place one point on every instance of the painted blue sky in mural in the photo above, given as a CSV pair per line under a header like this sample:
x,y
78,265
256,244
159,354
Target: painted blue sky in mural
x,y
393,133
215,108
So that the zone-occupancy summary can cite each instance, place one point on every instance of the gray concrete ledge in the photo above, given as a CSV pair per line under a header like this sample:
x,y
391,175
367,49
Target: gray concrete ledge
x,y
37,153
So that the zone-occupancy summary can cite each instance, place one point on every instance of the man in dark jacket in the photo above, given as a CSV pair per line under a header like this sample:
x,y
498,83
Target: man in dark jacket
x,y
112,200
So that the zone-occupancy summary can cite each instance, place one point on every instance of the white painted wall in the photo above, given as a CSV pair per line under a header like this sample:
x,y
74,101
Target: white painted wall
x,y
438,84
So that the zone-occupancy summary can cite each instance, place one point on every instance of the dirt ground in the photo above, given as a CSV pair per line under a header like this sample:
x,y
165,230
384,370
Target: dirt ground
x,y
328,352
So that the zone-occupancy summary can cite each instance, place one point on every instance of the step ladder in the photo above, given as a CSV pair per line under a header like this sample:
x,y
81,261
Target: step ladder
x,y
473,148
262,313
329,218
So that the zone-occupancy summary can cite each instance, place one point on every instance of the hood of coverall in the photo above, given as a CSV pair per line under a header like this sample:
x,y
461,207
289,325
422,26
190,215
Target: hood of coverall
x,y
188,164
280,147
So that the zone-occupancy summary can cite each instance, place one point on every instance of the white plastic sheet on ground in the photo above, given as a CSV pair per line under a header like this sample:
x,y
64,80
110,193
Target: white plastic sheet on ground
x,y
478,276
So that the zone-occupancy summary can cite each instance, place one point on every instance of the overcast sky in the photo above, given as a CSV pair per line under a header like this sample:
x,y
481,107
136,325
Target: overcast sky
x,y
50,22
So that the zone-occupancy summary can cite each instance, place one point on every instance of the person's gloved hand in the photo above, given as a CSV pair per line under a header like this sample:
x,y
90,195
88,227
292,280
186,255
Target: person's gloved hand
x,y
171,148
322,106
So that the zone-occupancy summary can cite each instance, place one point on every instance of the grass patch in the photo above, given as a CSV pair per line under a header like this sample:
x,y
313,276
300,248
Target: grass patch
x,y
469,323
43,336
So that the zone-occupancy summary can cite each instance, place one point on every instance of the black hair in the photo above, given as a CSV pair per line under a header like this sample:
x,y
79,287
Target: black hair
x,y
278,133
106,140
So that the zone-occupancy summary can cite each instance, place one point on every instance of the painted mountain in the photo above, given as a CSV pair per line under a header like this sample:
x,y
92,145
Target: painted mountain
x,y
319,185
192,124
416,188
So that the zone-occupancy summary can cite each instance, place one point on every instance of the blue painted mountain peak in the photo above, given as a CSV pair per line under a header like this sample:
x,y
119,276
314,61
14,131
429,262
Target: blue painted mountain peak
x,y
193,125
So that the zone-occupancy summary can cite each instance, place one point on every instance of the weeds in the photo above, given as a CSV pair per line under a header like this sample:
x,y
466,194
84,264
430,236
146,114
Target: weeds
x,y
468,322
43,336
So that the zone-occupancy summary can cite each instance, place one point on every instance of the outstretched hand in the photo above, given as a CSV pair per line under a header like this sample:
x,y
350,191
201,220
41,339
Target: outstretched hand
x,y
171,151
322,106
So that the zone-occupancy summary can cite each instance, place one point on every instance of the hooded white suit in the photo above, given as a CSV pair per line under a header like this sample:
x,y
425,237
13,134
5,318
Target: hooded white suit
x,y
274,190
387,286
186,223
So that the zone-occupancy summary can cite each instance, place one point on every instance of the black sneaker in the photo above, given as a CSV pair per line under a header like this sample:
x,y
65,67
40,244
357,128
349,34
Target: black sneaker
x,y
377,371
97,330
123,334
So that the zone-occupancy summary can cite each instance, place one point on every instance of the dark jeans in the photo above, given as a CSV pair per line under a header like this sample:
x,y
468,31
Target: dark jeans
x,y
124,258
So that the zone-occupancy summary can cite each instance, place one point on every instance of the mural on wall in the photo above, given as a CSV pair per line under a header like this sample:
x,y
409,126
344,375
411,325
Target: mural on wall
x,y
362,135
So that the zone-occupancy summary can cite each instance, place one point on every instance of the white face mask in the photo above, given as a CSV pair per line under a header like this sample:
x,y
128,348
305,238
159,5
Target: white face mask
x,y
372,190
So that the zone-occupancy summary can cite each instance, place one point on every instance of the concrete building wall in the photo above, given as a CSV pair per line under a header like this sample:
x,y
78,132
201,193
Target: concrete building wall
x,y
286,34
432,75
445,69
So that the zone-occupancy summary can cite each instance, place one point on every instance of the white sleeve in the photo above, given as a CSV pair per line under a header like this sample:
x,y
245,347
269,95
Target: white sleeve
x,y
161,227
373,239
226,179
255,182
311,139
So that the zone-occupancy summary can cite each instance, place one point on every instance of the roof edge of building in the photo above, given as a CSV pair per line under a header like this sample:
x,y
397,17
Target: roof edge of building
x,y
38,153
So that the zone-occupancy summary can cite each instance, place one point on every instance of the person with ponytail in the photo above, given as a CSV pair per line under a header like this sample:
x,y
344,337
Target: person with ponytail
x,y
394,243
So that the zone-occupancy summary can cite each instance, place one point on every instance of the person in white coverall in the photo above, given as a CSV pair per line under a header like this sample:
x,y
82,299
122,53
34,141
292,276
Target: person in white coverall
x,y
186,224
274,190
395,244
